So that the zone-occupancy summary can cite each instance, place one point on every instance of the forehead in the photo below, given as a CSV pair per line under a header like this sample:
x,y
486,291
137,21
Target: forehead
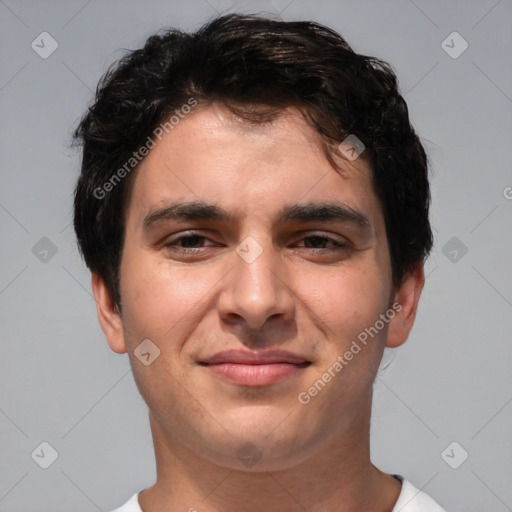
x,y
213,156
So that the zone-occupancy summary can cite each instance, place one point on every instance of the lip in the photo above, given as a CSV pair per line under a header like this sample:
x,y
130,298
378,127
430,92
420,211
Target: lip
x,y
247,357
255,368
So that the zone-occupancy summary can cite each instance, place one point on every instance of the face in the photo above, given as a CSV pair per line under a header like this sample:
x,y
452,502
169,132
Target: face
x,y
254,267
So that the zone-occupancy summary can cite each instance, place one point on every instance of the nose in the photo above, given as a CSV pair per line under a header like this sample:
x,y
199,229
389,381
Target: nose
x,y
256,291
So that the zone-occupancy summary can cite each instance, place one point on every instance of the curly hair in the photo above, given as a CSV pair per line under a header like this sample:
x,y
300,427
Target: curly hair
x,y
257,67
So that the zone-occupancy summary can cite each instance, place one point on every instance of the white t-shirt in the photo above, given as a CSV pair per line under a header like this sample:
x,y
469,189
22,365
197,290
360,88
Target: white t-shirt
x,y
410,500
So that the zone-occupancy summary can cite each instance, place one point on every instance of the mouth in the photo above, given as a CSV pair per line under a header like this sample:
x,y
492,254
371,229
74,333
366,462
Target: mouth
x,y
245,368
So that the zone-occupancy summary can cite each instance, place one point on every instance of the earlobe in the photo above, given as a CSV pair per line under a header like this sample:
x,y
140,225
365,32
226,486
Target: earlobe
x,y
407,297
108,315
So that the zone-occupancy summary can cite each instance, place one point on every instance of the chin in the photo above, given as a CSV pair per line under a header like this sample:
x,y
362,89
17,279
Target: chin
x,y
256,456
259,444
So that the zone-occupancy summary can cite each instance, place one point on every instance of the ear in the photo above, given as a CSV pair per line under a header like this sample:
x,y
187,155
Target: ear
x,y
109,315
406,297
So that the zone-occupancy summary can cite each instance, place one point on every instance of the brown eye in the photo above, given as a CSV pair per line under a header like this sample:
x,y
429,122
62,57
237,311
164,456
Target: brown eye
x,y
190,242
322,242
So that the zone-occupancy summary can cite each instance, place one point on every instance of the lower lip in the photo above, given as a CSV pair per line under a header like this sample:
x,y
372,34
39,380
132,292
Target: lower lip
x,y
256,374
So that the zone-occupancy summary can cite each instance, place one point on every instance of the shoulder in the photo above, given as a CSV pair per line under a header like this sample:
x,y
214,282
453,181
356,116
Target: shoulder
x,y
132,505
412,499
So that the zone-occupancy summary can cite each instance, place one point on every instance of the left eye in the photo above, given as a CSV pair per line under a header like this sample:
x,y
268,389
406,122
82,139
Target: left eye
x,y
188,242
320,242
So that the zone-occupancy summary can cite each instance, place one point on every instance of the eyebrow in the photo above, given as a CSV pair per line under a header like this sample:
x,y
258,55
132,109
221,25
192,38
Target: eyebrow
x,y
193,210
324,212
308,212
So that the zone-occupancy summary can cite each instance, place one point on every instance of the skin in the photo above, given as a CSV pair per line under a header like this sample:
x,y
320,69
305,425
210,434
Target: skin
x,y
299,295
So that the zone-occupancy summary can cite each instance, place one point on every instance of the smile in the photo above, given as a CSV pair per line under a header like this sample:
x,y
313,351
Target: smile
x,y
255,369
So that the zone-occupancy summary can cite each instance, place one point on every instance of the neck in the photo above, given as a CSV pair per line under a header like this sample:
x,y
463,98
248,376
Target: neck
x,y
340,477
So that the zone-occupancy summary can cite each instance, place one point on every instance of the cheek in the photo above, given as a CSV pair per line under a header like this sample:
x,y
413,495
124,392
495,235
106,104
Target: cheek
x,y
345,301
162,303
161,300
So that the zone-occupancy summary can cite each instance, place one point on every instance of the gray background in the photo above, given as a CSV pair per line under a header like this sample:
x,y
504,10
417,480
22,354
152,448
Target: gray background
x,y
60,383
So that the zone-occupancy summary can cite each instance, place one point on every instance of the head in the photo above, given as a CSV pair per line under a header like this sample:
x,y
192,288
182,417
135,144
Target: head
x,y
219,209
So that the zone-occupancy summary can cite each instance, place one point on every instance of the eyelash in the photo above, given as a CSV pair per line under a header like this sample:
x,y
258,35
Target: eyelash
x,y
173,245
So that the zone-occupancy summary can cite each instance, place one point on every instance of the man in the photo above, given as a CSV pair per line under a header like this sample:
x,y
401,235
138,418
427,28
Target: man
x,y
253,205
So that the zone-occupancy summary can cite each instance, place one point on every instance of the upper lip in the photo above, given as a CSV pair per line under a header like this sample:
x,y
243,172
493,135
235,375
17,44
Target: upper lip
x,y
247,357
